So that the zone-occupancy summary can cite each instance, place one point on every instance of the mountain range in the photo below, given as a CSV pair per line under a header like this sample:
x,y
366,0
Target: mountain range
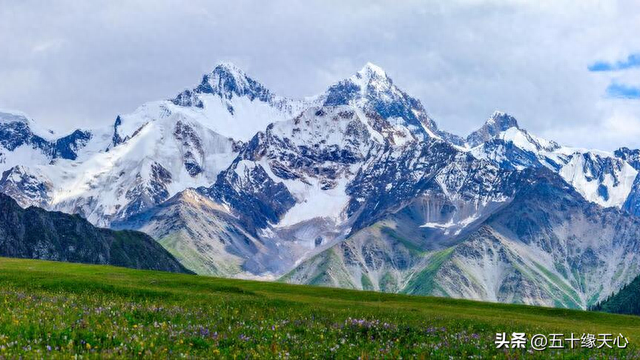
x,y
356,187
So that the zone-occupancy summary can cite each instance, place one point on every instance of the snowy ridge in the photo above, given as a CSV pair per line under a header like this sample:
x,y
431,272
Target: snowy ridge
x,y
165,157
374,93
24,142
600,177
227,102
9,116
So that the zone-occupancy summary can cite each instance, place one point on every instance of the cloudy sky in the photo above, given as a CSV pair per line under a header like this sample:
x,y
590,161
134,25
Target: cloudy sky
x,y
568,70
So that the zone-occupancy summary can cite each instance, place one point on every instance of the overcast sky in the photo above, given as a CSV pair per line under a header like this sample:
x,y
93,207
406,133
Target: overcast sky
x,y
568,70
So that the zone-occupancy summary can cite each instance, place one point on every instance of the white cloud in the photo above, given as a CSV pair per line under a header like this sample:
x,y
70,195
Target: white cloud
x,y
620,126
47,45
462,58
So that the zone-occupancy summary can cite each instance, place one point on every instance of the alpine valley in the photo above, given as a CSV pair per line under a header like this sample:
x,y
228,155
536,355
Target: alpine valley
x,y
356,187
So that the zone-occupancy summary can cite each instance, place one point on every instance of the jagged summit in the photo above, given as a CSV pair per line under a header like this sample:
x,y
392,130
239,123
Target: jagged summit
x,y
368,83
226,81
19,135
374,93
497,123
371,72
227,72
373,79
228,67
502,120
226,101
371,67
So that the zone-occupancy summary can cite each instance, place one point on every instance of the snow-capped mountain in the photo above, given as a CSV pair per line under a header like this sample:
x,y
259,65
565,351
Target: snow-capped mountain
x,y
298,185
304,183
25,146
227,102
354,187
373,93
146,157
543,222
601,177
26,187
497,123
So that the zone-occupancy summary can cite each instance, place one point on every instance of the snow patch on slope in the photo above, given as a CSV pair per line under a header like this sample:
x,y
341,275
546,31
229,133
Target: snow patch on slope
x,y
455,226
314,202
607,191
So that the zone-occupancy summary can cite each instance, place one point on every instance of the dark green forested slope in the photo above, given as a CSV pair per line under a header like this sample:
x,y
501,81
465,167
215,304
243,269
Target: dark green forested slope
x,y
624,302
39,234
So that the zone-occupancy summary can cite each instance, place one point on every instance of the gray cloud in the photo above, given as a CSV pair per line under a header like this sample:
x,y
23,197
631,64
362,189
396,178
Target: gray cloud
x,y
73,63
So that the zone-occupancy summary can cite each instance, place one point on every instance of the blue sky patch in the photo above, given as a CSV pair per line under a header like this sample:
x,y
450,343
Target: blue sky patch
x,y
631,61
621,91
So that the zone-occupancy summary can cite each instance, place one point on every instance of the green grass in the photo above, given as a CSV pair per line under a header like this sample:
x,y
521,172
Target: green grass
x,y
413,248
423,282
58,310
568,294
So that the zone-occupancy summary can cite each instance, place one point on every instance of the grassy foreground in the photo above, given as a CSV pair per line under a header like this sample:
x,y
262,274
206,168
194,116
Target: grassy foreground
x,y
57,310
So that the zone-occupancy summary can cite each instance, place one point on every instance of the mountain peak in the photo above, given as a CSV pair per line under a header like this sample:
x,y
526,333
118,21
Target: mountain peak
x,y
502,121
374,91
228,68
370,69
370,81
372,76
631,156
497,123
227,81
12,116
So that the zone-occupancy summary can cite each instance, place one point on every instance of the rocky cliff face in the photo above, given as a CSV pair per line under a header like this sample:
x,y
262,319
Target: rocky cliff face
x,y
203,235
545,246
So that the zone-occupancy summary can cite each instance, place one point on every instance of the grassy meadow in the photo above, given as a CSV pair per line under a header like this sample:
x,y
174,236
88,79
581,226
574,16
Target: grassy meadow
x,y
60,310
